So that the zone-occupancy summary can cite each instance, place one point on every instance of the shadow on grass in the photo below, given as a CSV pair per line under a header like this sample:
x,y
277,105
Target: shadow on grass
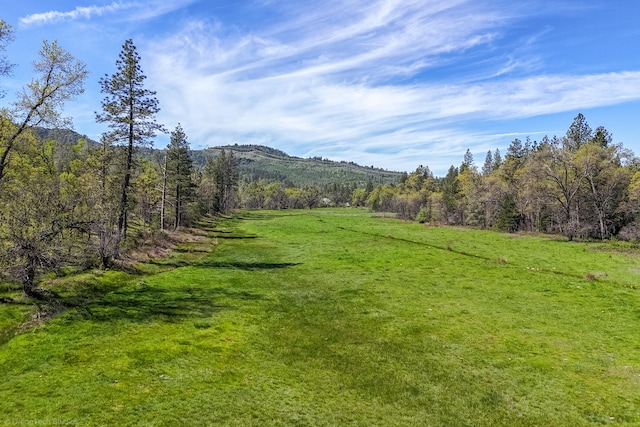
x,y
166,262
190,251
148,303
247,266
259,216
171,304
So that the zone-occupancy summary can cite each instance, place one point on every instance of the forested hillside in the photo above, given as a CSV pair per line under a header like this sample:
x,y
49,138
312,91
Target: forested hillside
x,y
254,162
258,162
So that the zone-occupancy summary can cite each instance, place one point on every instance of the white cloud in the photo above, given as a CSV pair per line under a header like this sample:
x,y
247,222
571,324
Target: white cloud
x,y
137,11
334,84
77,13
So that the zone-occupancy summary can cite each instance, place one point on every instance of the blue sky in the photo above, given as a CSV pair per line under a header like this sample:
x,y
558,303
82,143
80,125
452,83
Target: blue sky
x,y
390,83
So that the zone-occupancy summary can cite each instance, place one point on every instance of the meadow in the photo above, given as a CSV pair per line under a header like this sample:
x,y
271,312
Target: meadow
x,y
335,317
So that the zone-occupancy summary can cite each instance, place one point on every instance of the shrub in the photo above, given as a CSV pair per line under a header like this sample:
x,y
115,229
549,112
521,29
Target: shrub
x,y
423,215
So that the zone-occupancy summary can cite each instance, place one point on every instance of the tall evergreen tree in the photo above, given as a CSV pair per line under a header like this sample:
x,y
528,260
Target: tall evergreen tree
x,y
497,159
578,134
450,188
221,177
468,163
487,168
179,168
129,109
602,137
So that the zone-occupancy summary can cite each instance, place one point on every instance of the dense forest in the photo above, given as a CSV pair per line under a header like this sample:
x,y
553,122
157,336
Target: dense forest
x,y
76,202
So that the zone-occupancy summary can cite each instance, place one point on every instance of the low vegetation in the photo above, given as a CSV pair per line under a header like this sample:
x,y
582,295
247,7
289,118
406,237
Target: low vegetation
x,y
335,317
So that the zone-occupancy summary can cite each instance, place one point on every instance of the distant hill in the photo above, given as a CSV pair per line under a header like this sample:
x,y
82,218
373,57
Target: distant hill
x,y
64,136
257,162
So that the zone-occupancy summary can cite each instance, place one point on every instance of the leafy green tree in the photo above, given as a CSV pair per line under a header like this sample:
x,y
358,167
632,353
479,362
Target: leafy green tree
x,y
423,215
253,195
41,211
381,198
514,161
310,195
293,198
129,109
45,217
275,197
359,197
60,78
105,166
470,202
566,181
607,182
147,191
6,36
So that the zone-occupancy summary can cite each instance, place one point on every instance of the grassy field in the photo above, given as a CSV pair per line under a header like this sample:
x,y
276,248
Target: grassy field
x,y
334,317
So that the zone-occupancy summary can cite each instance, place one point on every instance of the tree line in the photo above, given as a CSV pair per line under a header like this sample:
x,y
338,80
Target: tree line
x,y
85,205
580,185
79,208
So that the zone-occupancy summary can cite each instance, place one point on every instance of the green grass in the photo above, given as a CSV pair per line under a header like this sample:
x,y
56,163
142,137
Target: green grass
x,y
334,317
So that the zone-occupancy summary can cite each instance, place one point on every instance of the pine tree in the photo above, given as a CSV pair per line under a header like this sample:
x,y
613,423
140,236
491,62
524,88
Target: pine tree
x,y
579,133
179,167
129,109
508,218
602,137
487,168
468,163
497,160
223,172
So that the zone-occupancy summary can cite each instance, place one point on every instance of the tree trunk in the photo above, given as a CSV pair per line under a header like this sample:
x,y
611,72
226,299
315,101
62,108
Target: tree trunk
x,y
28,285
176,220
164,192
122,219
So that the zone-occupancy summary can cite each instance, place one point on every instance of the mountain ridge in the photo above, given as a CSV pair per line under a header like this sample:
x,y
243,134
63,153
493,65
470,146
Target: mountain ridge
x,y
256,162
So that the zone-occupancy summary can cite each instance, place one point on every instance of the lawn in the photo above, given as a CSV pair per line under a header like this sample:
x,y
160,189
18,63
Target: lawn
x,y
336,317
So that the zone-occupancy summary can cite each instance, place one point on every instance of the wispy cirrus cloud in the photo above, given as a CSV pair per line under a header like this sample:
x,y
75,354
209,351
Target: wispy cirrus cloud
x,y
341,81
80,12
136,11
371,40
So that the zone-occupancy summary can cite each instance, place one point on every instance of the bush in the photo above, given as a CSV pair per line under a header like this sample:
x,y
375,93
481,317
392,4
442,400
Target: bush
x,y
423,215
